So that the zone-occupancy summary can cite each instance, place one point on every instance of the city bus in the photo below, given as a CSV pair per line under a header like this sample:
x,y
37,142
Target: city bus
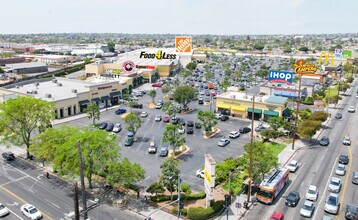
x,y
272,185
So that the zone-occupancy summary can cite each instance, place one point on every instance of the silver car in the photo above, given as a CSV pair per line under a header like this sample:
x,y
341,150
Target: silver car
x,y
307,209
335,185
117,128
223,142
332,203
312,193
340,170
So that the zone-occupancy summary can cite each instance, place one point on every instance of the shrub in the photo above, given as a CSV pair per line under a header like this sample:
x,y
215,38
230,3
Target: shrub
x,y
162,198
319,116
155,188
200,213
185,188
183,211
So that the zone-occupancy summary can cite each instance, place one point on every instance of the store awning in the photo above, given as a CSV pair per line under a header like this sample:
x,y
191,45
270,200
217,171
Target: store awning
x,y
105,97
276,92
96,100
286,112
223,106
270,113
258,111
115,94
238,108
84,102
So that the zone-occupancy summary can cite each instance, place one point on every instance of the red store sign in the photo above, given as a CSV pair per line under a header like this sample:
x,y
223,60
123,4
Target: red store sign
x,y
104,87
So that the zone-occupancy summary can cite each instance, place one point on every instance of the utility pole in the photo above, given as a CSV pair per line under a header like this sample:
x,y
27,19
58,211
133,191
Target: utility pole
x,y
297,109
75,200
227,208
179,196
252,137
85,216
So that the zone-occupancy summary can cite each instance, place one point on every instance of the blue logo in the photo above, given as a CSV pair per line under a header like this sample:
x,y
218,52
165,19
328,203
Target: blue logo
x,y
276,76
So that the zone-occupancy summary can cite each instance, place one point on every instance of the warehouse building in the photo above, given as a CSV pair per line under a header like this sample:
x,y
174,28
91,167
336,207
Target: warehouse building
x,y
24,68
238,104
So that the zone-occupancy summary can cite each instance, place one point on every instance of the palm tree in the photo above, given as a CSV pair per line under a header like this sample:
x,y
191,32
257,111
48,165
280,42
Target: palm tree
x,y
152,94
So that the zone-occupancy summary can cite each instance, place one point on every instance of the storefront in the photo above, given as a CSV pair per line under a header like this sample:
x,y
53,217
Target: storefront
x,y
257,113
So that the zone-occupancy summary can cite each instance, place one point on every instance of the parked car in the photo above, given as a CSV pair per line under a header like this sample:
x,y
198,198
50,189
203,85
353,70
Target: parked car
x,y
152,149
292,199
355,178
312,193
182,121
156,85
8,155
351,109
343,159
277,216
340,170
158,105
223,142
292,166
335,185
351,212
190,124
200,173
197,125
201,101
347,141
338,115
166,119
31,212
224,118
181,130
324,141
128,141
234,134
120,111
3,210
260,128
163,152
218,115
103,125
158,118
190,130
332,203
137,105
110,127
144,115
117,128
130,134
244,130
307,209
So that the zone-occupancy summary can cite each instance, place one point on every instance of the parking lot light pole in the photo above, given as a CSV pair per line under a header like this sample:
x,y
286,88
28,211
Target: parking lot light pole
x,y
251,142
179,196
83,189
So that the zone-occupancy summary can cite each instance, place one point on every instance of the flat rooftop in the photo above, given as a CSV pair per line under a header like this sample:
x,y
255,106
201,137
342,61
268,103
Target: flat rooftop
x,y
25,65
246,97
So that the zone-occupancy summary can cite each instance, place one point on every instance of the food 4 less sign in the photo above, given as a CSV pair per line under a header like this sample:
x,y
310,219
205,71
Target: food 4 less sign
x,y
158,55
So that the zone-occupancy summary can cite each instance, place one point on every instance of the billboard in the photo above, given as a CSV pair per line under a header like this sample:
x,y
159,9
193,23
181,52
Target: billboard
x,y
302,66
276,76
338,53
347,54
326,58
183,44
209,178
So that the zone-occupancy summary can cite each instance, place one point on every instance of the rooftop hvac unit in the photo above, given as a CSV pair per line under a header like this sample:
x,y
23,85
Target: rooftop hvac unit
x,y
59,84
54,80
74,90
17,87
34,92
37,84
47,95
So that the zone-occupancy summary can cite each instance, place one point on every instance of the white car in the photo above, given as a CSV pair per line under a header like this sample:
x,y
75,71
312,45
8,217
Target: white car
x,y
31,211
218,115
307,209
292,166
340,170
158,105
347,141
144,114
181,130
335,185
351,109
200,173
158,118
135,98
234,134
3,210
117,128
312,193
332,203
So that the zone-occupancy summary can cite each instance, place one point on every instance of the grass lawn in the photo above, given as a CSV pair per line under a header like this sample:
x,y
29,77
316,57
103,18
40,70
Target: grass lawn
x,y
275,147
331,91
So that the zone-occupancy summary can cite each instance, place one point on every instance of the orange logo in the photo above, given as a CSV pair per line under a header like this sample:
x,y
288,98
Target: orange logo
x,y
302,66
183,44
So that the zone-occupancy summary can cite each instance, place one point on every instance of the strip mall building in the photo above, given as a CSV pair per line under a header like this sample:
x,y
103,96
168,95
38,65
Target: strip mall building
x,y
238,104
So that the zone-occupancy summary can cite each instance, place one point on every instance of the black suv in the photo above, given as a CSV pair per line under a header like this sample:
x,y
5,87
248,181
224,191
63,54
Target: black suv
x,y
244,130
197,125
324,141
137,106
224,118
190,124
8,155
343,159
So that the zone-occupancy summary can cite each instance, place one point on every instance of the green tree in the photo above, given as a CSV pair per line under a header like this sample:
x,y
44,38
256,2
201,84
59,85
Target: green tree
x,y
208,120
170,109
98,55
1,70
259,46
263,159
191,66
130,103
308,128
287,49
304,114
124,173
176,82
304,49
93,112
224,84
262,73
275,123
183,95
20,117
86,60
185,73
156,188
166,88
152,94
133,122
172,136
111,46
169,176
209,75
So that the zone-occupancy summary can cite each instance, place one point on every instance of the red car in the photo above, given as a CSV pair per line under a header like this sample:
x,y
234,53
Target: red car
x,y
156,85
166,119
277,216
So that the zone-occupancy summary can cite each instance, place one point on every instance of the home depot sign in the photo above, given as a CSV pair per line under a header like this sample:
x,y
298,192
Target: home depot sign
x,y
183,44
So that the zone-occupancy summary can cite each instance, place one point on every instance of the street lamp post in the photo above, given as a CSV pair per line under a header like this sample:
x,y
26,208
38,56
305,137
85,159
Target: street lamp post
x,y
179,196
297,109
251,142
85,216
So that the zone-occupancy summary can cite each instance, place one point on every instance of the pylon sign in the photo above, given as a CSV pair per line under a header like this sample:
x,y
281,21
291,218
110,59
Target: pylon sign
x,y
326,58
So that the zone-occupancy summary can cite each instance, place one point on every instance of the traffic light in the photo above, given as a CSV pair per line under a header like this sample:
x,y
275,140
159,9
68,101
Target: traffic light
x,y
227,200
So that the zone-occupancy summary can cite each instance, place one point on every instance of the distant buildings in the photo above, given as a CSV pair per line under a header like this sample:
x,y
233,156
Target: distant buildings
x,y
25,68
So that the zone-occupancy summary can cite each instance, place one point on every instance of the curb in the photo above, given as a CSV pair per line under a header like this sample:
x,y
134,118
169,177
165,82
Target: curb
x,y
182,153
213,134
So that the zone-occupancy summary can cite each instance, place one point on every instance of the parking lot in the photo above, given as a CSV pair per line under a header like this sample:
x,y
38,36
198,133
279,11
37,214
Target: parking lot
x,y
152,131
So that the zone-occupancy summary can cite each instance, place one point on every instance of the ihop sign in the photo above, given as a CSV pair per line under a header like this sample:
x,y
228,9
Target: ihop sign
x,y
276,76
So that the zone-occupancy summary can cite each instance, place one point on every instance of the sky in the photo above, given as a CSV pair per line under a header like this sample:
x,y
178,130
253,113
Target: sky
x,y
221,17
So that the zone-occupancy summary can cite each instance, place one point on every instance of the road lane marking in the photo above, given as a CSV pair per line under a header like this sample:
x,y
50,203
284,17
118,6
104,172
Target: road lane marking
x,y
345,182
56,205
15,214
22,200
12,181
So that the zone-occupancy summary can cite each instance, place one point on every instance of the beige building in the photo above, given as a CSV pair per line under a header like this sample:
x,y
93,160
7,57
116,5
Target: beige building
x,y
238,104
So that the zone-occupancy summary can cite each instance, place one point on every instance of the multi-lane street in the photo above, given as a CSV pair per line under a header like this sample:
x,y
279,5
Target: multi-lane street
x,y
317,166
